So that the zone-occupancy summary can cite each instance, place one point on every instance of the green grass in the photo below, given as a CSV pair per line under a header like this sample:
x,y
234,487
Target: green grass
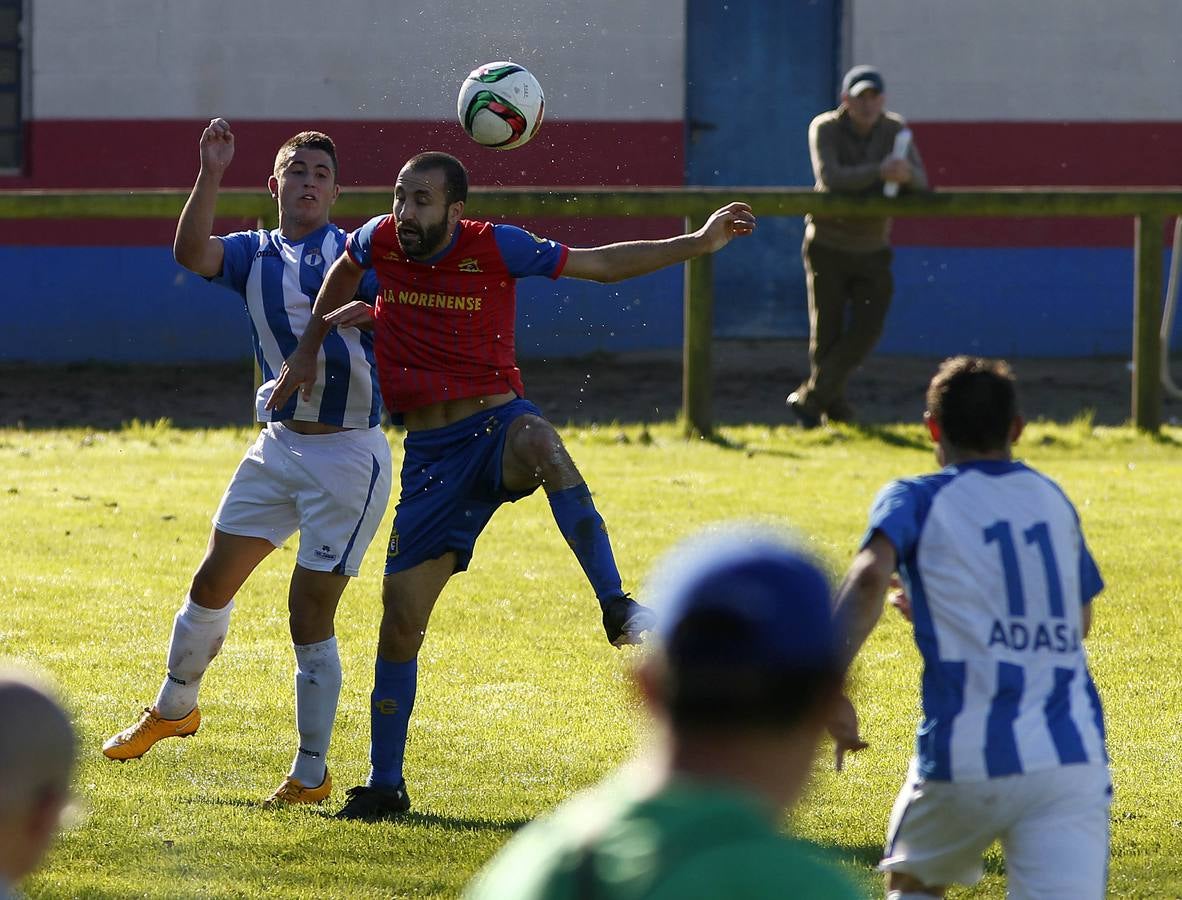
x,y
521,701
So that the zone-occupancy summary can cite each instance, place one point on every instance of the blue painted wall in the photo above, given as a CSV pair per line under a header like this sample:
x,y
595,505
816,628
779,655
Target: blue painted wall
x,y
134,304
1012,301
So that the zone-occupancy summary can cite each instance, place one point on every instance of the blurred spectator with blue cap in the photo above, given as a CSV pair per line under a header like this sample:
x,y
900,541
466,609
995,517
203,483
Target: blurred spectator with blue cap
x,y
746,668
859,148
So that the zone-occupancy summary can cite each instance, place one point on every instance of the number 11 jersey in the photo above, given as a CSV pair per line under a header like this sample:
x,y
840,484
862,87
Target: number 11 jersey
x,y
994,561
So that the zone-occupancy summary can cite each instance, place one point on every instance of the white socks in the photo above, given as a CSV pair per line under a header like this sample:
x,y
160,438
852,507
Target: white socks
x,y
197,636
317,689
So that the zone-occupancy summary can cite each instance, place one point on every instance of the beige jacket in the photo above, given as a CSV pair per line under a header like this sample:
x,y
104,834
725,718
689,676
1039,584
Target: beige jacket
x,y
846,162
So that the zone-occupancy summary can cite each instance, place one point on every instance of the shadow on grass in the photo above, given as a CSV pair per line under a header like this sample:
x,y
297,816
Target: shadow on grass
x,y
444,823
461,823
1165,440
886,435
431,820
869,855
883,434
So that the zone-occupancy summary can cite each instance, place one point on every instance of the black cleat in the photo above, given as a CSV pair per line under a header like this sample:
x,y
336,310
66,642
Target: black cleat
x,y
375,804
626,621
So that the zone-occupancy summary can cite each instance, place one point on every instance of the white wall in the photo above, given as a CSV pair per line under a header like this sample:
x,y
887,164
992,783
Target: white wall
x,y
352,59
597,59
1032,60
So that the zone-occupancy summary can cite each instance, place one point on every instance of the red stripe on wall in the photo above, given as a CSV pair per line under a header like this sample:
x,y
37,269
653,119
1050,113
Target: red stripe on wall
x,y
148,154
1112,154
106,154
1052,154
145,154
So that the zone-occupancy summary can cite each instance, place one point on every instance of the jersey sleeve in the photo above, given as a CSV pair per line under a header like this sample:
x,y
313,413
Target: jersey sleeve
x,y
359,243
527,254
368,291
238,253
895,513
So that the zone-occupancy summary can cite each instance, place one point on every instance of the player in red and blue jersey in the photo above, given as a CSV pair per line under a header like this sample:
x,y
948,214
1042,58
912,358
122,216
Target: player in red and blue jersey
x,y
444,337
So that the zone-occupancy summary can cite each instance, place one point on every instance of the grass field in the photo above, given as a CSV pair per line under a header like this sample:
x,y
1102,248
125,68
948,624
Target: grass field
x,y
521,700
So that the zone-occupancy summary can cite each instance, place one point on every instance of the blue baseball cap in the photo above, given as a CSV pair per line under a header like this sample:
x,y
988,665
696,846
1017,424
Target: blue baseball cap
x,y
743,597
861,78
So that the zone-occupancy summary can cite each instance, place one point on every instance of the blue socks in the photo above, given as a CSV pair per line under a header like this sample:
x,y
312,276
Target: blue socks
x,y
390,704
583,528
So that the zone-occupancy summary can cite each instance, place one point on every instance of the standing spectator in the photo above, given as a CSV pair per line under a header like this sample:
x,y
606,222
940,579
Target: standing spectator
x,y
847,261
37,747
1001,583
746,668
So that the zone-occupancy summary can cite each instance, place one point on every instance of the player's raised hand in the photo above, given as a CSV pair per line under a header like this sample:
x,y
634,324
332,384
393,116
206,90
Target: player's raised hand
x,y
217,146
298,371
843,726
357,314
733,220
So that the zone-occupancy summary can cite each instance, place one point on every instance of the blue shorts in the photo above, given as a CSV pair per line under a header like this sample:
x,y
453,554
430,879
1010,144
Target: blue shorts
x,y
451,486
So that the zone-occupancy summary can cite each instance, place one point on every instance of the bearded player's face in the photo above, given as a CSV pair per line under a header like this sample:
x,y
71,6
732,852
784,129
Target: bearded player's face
x,y
421,212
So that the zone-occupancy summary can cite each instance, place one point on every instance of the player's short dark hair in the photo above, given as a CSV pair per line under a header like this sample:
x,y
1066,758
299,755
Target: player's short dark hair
x,y
310,140
974,401
728,693
455,176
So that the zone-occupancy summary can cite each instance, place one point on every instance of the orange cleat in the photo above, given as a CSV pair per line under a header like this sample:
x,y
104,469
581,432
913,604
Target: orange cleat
x,y
292,791
137,740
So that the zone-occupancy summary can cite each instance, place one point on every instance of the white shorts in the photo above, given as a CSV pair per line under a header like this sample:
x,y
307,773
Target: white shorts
x,y
332,488
1053,828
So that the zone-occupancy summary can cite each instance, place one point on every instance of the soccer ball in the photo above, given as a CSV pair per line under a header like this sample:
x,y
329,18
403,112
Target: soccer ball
x,y
500,105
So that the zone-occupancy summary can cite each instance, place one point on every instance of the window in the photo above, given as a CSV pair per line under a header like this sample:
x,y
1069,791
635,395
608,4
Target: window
x,y
11,126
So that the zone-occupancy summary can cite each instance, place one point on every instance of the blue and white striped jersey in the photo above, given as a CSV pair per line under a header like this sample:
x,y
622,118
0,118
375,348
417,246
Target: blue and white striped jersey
x,y
995,564
279,281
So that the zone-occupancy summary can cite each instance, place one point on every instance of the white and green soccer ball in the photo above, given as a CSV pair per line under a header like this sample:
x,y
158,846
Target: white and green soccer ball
x,y
501,105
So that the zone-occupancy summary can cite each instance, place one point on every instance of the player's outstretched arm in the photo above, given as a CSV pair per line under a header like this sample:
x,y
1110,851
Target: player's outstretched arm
x,y
194,247
860,597
299,369
859,606
615,262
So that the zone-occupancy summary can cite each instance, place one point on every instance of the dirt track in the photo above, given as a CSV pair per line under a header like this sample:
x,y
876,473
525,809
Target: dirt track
x,y
751,380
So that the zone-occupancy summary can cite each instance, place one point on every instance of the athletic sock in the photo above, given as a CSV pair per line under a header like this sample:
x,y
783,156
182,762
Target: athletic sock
x,y
583,528
197,636
390,705
317,689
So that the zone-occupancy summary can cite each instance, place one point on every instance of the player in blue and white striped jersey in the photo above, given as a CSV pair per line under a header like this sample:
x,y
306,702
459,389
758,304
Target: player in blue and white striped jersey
x,y
998,583
320,466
